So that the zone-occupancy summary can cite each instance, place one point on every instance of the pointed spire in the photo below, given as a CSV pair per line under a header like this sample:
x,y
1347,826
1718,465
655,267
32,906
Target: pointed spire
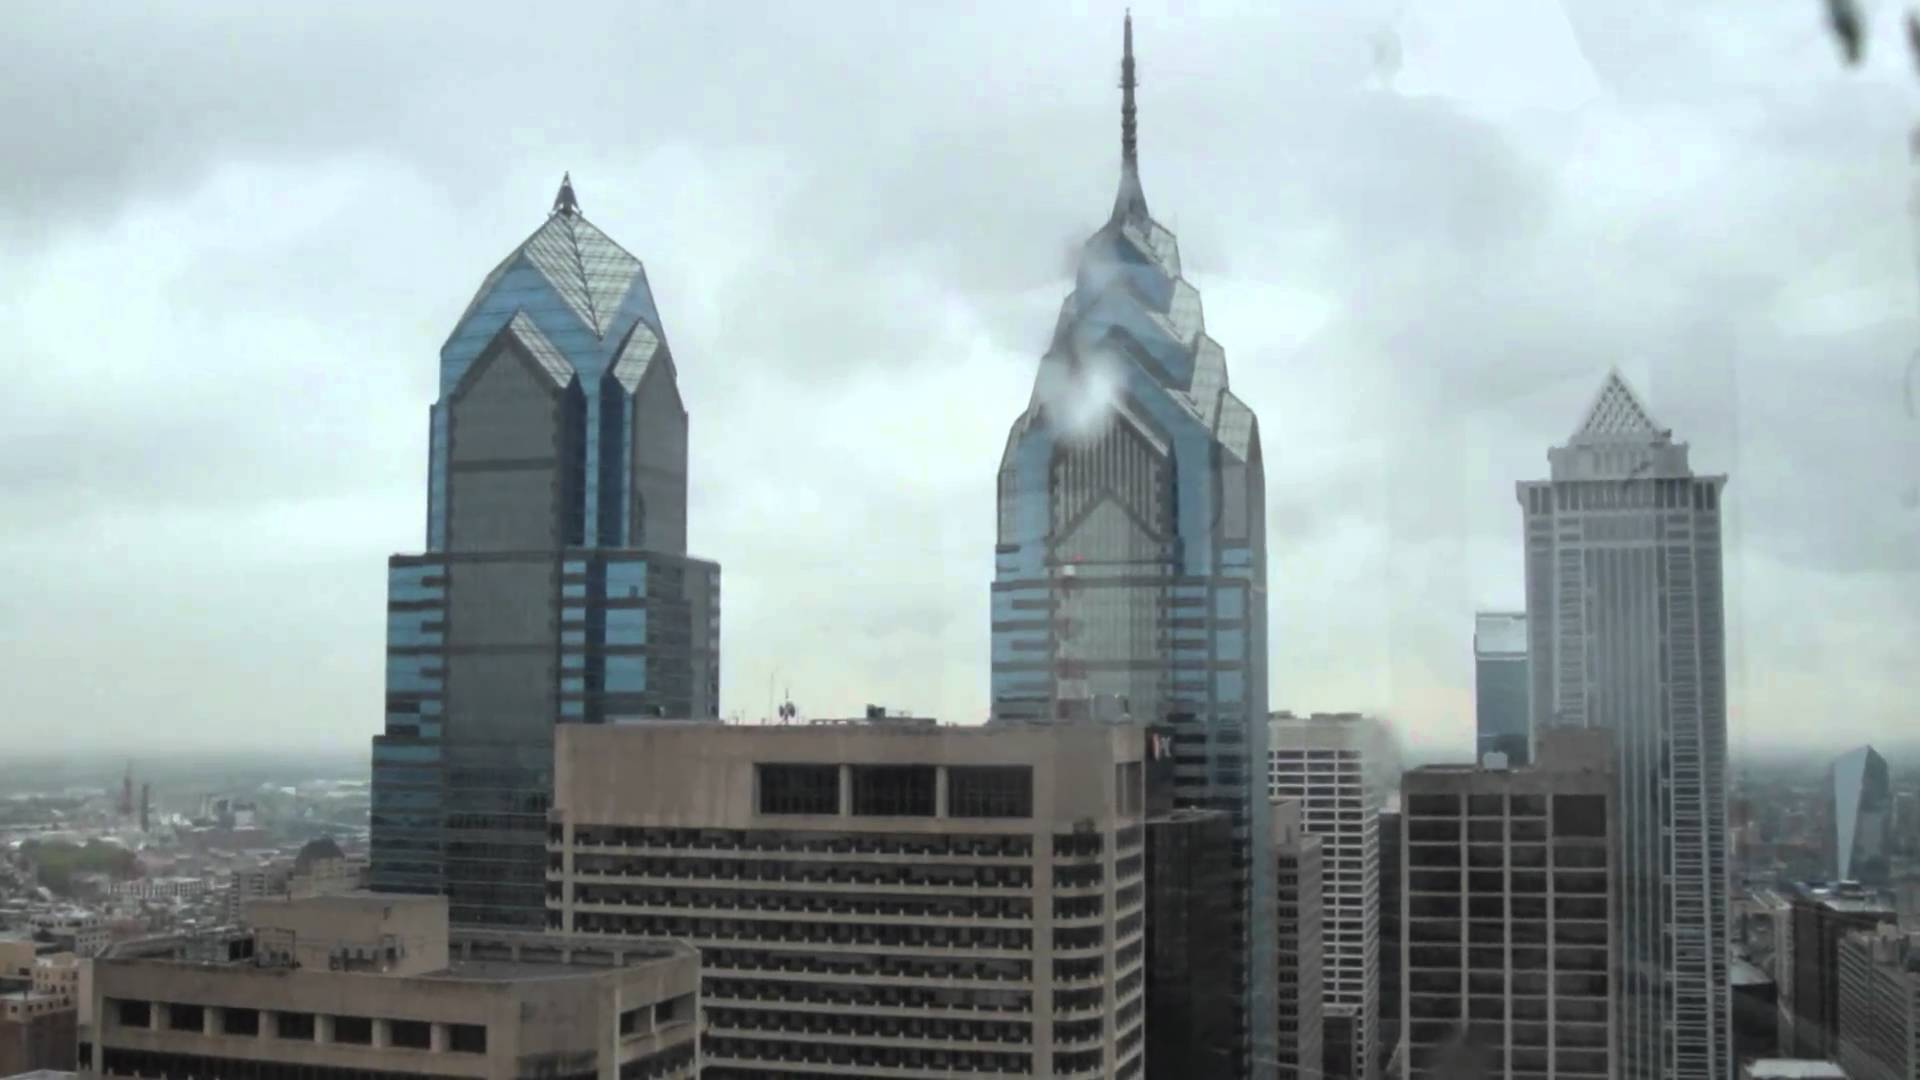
x,y
1131,202
564,202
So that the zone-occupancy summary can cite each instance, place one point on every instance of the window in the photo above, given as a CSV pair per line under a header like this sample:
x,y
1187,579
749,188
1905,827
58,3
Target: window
x,y
893,790
1579,815
186,1017
467,1038
410,1034
293,1025
799,789
240,1021
135,1014
993,791
355,1030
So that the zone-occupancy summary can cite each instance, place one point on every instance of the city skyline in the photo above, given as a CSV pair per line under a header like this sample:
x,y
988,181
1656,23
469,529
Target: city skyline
x,y
250,276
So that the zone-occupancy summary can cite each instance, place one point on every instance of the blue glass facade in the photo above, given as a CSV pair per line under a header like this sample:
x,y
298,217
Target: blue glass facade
x,y
1503,722
1130,574
555,586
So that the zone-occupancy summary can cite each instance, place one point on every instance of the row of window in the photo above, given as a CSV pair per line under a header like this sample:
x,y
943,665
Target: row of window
x,y
1016,845
294,1026
973,791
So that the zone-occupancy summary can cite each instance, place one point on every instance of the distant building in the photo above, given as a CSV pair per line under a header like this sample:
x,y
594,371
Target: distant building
x,y
1756,1012
938,900
1328,762
1511,953
555,587
1857,836
1626,628
1502,724
39,1026
1300,891
1192,957
1879,1004
367,985
1822,918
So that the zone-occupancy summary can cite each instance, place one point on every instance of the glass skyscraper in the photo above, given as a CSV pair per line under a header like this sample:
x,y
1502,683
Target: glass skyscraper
x,y
555,585
1501,721
1859,827
1626,631
1130,573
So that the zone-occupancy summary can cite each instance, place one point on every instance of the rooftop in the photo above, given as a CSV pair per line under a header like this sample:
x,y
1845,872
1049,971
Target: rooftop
x,y
1746,973
1795,1069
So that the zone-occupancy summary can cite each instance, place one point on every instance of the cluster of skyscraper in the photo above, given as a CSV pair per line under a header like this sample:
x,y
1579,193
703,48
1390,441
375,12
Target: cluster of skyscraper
x,y
919,902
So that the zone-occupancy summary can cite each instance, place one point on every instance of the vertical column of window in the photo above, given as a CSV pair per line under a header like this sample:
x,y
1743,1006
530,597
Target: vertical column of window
x,y
623,632
615,442
405,816
575,662
436,477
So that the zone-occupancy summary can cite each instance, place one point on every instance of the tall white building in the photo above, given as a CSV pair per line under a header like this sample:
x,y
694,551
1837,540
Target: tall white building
x,y
1329,762
1626,631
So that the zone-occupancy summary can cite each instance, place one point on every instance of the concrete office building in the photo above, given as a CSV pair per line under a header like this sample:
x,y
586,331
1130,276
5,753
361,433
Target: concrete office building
x,y
1130,564
1822,918
1299,889
1511,953
1626,631
1879,1005
887,897
1392,978
555,586
1502,722
1329,763
1857,835
351,986
1191,949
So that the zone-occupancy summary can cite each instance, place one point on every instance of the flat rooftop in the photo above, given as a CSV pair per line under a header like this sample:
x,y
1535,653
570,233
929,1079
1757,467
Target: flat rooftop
x,y
1795,1069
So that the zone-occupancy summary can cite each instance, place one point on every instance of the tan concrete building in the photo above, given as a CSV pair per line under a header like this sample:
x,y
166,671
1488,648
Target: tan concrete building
x,y
883,898
365,987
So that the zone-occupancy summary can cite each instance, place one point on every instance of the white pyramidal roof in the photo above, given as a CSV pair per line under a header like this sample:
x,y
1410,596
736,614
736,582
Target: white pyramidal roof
x,y
1617,415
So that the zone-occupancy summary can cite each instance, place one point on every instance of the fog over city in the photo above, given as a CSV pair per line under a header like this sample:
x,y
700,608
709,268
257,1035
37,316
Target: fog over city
x,y
231,246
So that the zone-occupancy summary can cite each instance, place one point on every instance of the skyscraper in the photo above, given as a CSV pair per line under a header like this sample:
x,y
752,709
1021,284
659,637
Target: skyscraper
x,y
1501,722
555,587
1625,630
1130,573
1859,828
1331,763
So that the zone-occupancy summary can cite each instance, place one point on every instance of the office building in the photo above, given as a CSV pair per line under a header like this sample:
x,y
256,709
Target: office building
x,y
1879,1004
555,586
882,897
1501,719
38,1026
1300,867
1822,918
1756,1011
1511,955
356,985
1196,1028
1131,558
1625,629
1329,762
1858,833
1391,936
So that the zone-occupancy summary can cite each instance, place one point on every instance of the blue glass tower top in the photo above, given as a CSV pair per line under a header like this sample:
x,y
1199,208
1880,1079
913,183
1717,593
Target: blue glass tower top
x,y
581,306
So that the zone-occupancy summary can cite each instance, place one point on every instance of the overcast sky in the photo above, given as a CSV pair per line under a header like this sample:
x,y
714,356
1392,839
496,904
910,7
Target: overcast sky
x,y
231,244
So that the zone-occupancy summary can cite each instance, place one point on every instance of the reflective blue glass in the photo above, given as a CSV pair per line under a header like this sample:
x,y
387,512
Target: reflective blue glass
x,y
573,637
573,566
411,674
572,684
572,662
626,674
574,590
572,614
626,626
572,708
429,729
408,629
626,580
407,584
1230,644
1229,604
430,706
404,752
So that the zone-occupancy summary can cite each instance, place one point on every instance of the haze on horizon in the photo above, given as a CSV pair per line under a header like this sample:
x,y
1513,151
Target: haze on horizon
x,y
231,246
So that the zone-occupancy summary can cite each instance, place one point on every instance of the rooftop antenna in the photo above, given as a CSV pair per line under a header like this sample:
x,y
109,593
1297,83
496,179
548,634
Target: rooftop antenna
x,y
564,202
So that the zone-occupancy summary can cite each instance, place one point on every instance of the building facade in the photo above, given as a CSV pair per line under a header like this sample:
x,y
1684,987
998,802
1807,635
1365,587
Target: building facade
x,y
1392,979
1195,1028
1503,723
1822,918
1300,867
1626,631
1511,952
1328,762
1858,832
1131,564
1879,1005
880,898
350,986
555,587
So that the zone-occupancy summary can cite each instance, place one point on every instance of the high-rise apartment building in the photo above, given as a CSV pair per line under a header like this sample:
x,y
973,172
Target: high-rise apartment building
x,y
882,898
1822,918
555,587
1511,951
1329,762
1300,866
1502,722
1625,630
1858,833
1879,1004
1131,564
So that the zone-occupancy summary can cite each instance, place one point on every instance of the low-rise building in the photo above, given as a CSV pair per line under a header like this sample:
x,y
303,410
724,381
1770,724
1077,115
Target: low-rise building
x,y
360,985
873,898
